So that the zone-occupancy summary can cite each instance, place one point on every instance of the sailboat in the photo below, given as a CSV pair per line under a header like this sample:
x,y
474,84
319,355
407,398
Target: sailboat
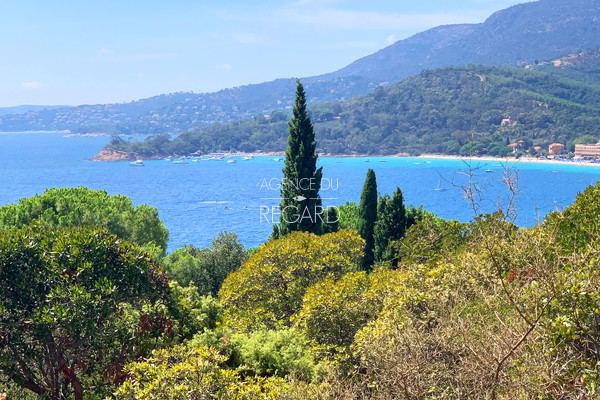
x,y
439,187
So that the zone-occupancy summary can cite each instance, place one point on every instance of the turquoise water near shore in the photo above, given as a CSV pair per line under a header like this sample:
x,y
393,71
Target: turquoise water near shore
x,y
198,200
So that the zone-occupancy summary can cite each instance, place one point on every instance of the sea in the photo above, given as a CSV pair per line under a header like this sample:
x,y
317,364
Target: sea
x,y
198,200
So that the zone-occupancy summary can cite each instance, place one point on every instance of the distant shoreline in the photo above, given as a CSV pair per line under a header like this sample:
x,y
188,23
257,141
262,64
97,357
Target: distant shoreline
x,y
26,132
112,155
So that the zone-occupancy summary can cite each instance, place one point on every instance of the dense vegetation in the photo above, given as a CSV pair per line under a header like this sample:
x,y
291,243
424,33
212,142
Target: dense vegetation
x,y
468,310
450,111
583,66
76,304
84,207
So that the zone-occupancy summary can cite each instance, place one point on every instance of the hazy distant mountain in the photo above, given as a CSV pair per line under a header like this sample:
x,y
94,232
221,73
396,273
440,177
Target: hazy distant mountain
x,y
521,34
26,108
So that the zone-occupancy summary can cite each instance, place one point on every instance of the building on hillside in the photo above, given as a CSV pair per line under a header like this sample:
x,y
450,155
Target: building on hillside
x,y
508,122
514,147
587,150
556,149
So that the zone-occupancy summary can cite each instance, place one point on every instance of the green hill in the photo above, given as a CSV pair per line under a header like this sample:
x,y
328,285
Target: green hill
x,y
447,110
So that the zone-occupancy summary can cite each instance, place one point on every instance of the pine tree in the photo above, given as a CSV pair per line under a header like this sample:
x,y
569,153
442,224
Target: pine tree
x,y
391,224
301,206
367,215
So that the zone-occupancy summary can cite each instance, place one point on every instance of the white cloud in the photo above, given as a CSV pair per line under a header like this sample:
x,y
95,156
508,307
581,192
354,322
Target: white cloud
x,y
104,51
226,67
391,39
32,85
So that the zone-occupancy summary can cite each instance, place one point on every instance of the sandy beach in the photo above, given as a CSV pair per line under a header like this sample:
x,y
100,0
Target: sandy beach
x,y
512,160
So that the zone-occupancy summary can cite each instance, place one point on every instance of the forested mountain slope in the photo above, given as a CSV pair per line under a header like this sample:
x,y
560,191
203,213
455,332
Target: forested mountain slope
x,y
437,111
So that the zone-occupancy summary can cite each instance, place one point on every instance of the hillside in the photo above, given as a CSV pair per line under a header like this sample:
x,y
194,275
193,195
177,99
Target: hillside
x,y
518,35
584,66
177,112
451,110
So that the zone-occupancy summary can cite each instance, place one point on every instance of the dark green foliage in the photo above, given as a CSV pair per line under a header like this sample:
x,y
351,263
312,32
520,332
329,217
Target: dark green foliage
x,y
206,269
577,226
85,207
300,201
367,216
75,303
390,226
331,221
197,313
586,139
274,233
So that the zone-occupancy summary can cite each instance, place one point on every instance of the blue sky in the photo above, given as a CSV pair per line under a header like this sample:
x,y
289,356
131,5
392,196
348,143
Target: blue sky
x,y
87,52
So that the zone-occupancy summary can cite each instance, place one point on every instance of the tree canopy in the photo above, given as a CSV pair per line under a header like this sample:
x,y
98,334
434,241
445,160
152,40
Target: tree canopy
x,y
206,268
268,289
75,305
86,207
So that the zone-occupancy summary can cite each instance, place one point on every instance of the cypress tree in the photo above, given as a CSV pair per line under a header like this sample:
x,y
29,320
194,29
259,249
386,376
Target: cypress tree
x,y
367,215
301,206
391,224
331,222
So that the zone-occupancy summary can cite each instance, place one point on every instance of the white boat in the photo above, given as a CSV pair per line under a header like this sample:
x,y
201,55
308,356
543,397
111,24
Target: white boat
x,y
137,163
231,161
248,158
439,187
277,159
489,171
181,161
168,159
